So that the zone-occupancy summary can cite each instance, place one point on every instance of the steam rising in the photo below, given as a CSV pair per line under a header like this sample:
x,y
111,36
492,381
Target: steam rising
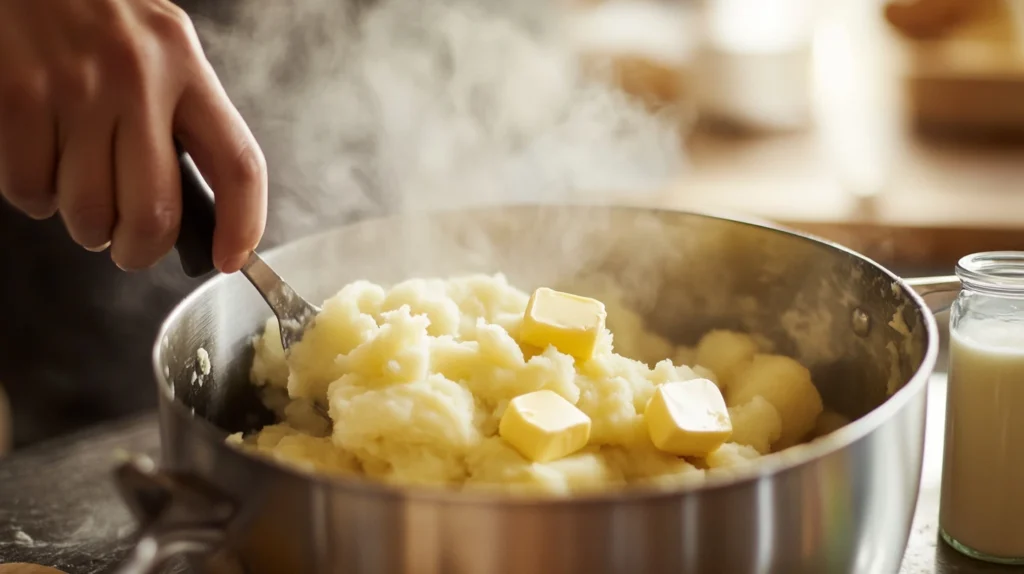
x,y
408,105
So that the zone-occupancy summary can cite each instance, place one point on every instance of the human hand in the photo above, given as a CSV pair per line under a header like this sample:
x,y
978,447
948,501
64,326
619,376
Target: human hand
x,y
92,95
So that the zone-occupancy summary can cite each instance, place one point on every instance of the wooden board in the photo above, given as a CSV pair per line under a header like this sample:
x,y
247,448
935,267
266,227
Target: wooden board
x,y
22,568
969,78
915,247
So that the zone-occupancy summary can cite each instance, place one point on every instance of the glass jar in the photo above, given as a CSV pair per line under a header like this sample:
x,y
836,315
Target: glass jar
x,y
754,66
982,505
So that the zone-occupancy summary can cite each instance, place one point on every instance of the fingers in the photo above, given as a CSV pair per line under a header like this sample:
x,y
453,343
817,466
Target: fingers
x,y
85,183
226,153
147,189
90,102
28,144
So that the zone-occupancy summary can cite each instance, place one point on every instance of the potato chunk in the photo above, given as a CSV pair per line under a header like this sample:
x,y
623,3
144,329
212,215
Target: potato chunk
x,y
784,383
726,353
756,423
730,455
828,422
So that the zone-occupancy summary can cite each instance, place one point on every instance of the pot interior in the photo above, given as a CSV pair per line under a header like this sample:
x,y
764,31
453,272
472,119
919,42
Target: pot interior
x,y
837,313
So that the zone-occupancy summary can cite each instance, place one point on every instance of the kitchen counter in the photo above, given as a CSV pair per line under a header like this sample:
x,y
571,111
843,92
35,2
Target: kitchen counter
x,y
58,506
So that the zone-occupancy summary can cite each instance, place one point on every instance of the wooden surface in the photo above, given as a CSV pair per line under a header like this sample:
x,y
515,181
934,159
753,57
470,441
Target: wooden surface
x,y
897,246
930,184
22,568
959,202
970,76
863,164
884,166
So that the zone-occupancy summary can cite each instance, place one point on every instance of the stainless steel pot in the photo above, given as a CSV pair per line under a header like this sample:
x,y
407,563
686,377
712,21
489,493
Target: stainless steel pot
x,y
840,504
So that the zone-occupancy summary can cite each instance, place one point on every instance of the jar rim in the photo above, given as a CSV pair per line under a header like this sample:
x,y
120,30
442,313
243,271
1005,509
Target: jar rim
x,y
999,272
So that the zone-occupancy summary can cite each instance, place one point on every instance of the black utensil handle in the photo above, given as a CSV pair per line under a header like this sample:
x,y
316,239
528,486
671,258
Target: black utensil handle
x,y
195,239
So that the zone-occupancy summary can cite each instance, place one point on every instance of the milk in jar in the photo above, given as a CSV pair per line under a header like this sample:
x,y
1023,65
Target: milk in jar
x,y
982,505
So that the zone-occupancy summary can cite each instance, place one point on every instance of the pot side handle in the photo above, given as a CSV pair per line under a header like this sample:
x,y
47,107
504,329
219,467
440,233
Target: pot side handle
x,y
938,292
178,515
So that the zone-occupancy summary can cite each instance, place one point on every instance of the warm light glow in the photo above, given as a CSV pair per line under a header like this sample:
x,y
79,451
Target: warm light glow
x,y
755,26
851,113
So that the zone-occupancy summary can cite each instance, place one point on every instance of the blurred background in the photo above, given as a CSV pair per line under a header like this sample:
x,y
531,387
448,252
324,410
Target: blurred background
x,y
895,128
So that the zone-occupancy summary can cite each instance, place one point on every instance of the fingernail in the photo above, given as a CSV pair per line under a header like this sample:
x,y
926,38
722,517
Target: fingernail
x,y
231,264
42,211
99,248
124,268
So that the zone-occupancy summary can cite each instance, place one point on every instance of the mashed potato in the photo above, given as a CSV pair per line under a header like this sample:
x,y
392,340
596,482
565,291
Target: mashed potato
x,y
415,379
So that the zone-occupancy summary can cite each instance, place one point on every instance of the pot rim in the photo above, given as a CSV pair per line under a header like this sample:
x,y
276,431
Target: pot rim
x,y
767,466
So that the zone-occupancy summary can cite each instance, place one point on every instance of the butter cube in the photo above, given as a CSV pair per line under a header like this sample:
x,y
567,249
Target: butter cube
x,y
568,322
543,426
688,418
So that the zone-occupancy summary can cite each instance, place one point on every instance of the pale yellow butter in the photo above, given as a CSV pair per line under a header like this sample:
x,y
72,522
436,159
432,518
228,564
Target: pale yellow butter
x,y
570,323
543,426
688,418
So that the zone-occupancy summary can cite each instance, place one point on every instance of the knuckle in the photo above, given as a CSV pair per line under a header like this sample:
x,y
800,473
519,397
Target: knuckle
x,y
157,220
142,237
24,92
126,59
249,168
106,10
79,82
172,25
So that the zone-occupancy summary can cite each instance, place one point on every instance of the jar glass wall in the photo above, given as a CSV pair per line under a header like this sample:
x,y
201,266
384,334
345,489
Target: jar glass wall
x,y
982,506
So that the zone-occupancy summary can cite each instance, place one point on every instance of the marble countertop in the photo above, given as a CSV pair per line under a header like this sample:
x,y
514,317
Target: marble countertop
x,y
58,506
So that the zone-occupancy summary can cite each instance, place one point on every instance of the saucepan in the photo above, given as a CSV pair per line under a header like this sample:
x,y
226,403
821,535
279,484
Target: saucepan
x,y
842,503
